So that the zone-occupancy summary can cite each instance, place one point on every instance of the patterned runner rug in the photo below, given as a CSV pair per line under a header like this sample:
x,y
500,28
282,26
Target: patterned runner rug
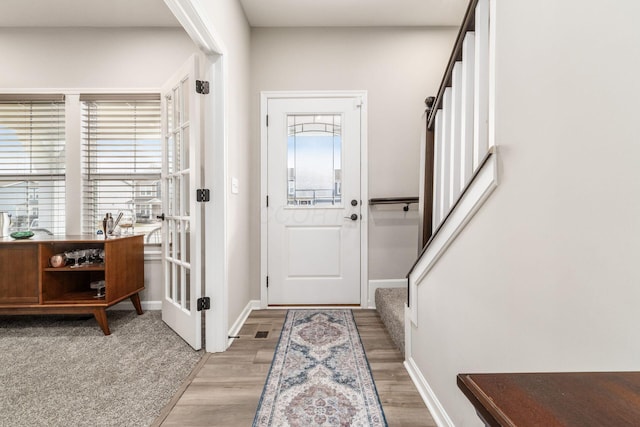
x,y
320,375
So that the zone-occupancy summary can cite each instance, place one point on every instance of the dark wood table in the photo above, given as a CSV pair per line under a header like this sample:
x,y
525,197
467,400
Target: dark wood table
x,y
29,284
578,399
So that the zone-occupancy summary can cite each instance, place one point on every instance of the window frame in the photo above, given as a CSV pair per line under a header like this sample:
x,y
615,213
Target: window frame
x,y
73,146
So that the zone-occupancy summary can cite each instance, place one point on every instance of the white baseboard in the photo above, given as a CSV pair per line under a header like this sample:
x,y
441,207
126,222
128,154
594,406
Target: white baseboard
x,y
438,413
237,325
146,305
388,283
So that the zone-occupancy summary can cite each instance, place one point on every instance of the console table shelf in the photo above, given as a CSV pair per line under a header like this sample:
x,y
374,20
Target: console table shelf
x,y
29,285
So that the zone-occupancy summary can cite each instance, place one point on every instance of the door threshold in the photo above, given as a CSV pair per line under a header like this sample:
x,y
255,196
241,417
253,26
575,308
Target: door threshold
x,y
277,306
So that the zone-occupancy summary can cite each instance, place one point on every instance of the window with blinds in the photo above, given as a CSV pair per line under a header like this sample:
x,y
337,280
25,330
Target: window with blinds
x,y
32,162
122,163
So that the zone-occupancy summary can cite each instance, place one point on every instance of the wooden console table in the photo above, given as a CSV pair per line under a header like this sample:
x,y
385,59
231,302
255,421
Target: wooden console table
x,y
580,399
29,285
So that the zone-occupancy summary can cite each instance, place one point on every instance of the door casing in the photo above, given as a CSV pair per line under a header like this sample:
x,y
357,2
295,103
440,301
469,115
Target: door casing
x,y
195,21
364,194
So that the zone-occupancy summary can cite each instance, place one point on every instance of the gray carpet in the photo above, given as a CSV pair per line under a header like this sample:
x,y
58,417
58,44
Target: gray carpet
x,y
62,371
390,306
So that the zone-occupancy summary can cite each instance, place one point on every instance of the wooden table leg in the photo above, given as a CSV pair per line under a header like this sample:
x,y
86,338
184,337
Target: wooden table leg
x,y
101,317
135,299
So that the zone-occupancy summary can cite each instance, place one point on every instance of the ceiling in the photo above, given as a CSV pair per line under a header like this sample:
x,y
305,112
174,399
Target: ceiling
x,y
86,13
353,13
260,13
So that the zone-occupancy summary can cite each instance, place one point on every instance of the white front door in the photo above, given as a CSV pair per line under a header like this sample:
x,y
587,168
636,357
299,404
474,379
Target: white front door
x,y
314,200
181,176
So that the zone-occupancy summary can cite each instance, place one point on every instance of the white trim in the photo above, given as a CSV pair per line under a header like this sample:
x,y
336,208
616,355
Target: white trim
x,y
438,413
244,315
482,82
482,186
491,114
73,164
388,283
146,305
81,91
364,199
264,189
364,185
215,178
151,256
197,24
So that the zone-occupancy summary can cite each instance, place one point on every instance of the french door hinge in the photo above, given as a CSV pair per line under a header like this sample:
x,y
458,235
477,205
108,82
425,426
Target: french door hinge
x,y
204,303
202,87
267,281
267,120
267,201
202,195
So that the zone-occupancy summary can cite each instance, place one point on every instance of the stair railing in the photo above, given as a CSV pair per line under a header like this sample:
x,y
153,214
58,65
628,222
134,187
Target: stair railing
x,y
457,126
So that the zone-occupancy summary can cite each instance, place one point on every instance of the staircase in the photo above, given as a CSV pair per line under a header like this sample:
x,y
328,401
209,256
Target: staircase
x,y
390,304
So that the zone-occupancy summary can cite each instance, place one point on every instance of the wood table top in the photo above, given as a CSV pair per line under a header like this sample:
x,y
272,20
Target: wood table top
x,y
555,399
81,238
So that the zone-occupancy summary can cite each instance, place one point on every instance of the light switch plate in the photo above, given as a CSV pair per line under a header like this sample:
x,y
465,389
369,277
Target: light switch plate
x,y
234,185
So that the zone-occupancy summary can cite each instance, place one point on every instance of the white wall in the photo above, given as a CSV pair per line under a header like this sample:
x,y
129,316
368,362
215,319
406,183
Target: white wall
x,y
91,57
232,28
73,59
399,68
545,277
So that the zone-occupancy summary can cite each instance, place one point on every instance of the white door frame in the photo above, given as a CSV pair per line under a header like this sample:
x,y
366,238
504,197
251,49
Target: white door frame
x,y
364,192
195,22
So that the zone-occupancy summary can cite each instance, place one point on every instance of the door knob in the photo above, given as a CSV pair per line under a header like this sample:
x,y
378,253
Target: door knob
x,y
353,217
160,217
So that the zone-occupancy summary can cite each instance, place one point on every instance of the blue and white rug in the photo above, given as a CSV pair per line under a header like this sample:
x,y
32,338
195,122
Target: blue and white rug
x,y
320,375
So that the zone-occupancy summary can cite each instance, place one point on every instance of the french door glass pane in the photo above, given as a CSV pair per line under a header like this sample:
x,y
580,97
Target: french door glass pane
x,y
176,155
185,145
187,296
178,285
187,195
169,273
185,100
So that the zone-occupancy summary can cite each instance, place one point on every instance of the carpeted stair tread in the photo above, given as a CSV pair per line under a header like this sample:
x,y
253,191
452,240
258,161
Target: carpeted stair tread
x,y
390,306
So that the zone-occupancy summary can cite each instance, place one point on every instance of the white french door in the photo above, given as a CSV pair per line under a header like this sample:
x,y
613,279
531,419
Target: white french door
x,y
314,201
181,176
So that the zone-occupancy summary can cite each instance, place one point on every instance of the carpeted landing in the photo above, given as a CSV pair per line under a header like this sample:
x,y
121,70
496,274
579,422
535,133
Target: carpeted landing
x,y
62,371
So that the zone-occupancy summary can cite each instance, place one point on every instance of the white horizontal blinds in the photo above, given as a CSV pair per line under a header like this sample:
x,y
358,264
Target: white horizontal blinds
x,y
32,162
122,162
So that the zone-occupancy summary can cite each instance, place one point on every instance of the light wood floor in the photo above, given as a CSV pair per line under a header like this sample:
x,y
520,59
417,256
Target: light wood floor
x,y
226,387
